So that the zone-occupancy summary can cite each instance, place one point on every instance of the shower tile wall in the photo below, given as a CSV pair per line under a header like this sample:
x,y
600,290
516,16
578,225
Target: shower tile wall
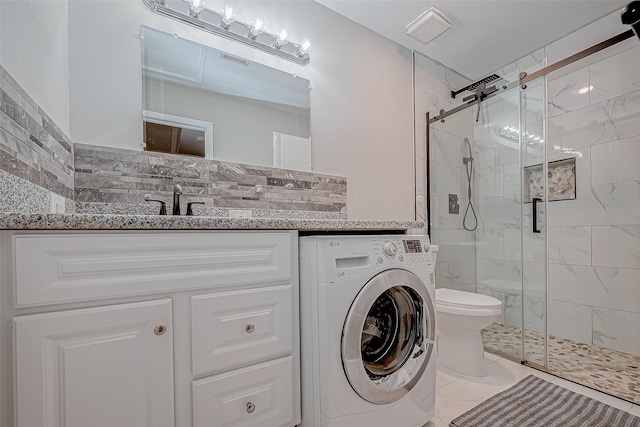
x,y
433,85
594,241
456,267
456,257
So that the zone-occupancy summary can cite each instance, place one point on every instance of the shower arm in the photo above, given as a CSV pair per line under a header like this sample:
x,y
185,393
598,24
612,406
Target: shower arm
x,y
444,113
482,92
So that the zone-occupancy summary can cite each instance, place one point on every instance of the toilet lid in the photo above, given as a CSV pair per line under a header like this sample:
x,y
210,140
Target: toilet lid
x,y
454,298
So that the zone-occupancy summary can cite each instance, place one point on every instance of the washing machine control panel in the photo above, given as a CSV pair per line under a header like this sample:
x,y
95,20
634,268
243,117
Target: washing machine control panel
x,y
344,257
401,250
412,246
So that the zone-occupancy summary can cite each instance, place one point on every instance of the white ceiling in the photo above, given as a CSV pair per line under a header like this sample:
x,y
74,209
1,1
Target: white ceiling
x,y
485,34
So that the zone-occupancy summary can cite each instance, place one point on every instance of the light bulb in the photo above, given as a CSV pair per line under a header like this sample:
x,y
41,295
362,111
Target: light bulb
x,y
304,49
256,28
282,39
227,17
584,90
196,7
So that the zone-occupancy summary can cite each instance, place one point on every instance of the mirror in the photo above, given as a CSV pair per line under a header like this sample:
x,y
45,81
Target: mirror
x,y
200,101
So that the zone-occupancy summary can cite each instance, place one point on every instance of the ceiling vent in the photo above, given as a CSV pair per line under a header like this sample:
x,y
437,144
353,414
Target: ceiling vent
x,y
428,26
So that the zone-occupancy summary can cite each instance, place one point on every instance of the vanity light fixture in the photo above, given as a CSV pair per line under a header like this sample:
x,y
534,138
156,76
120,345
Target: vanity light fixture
x,y
513,134
227,18
220,24
256,29
304,48
196,7
282,39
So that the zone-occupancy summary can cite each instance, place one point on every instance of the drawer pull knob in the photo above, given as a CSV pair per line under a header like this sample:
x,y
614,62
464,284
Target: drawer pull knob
x,y
249,328
160,330
250,407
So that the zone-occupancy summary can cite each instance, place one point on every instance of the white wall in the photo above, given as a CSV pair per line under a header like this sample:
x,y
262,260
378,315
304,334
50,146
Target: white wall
x,y
242,128
33,49
361,102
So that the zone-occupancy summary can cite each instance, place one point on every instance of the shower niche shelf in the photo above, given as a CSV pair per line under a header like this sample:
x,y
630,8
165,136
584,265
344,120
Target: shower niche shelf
x,y
561,180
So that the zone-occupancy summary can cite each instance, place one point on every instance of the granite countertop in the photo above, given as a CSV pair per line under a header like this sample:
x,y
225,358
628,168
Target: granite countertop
x,y
14,221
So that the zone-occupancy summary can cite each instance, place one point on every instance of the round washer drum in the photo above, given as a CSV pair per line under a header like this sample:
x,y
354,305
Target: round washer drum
x,y
388,336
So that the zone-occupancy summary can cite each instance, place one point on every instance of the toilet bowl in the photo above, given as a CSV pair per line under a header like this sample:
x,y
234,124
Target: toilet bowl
x,y
460,316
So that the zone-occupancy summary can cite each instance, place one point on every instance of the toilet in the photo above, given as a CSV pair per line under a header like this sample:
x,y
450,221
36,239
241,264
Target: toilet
x,y
460,316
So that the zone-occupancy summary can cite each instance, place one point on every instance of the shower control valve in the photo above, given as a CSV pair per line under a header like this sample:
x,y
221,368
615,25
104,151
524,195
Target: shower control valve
x,y
389,249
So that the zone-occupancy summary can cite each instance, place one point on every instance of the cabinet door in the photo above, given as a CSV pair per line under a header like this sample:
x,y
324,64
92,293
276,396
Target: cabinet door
x,y
99,367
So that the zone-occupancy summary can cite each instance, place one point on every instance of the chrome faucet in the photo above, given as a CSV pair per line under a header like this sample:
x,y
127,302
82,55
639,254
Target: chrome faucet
x,y
177,191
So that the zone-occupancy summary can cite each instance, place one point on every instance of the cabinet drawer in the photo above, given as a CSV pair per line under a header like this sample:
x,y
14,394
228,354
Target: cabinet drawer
x,y
94,266
233,329
258,396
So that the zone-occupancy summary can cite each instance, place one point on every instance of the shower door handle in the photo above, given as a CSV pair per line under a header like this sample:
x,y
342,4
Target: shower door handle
x,y
534,220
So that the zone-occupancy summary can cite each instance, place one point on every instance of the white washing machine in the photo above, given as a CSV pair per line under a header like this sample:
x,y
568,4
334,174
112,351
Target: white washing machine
x,y
367,310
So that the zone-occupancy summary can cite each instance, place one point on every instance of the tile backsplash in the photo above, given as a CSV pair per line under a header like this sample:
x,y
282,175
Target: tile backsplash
x,y
38,161
123,178
36,157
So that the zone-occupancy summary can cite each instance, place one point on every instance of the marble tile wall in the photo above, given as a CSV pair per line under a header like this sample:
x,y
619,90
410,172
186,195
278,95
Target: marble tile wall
x,y
456,258
433,85
594,241
36,157
455,268
112,178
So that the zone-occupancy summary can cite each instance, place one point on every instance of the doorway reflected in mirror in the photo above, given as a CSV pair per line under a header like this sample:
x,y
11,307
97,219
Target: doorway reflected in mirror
x,y
174,140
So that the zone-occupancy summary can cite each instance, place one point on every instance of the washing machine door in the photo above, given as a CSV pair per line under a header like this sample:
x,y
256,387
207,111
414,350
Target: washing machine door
x,y
388,336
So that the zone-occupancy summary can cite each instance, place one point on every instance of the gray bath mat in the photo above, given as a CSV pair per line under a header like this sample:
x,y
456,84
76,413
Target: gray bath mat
x,y
534,402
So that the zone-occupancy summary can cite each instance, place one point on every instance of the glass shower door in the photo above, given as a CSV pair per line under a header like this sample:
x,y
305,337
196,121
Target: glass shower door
x,y
487,204
498,195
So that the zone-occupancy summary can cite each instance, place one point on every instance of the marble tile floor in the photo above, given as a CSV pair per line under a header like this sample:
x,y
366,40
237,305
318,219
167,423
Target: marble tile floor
x,y
456,394
610,371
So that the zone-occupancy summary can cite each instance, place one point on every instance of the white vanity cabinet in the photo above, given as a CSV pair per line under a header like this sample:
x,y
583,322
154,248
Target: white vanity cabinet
x,y
157,328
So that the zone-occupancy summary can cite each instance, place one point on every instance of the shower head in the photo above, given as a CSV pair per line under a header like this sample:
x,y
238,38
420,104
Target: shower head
x,y
489,79
631,16
474,85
